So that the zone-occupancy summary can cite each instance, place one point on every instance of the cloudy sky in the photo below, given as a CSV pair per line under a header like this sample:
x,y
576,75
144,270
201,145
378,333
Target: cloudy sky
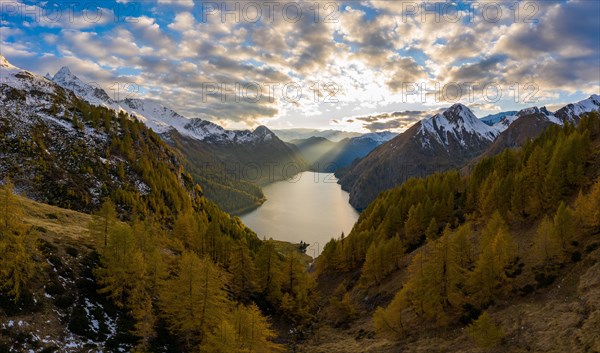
x,y
352,65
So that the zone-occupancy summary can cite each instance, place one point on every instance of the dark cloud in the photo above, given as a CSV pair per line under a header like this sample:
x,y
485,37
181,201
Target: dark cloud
x,y
394,120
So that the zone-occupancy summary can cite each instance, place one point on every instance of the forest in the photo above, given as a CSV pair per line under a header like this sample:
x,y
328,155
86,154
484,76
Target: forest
x,y
462,234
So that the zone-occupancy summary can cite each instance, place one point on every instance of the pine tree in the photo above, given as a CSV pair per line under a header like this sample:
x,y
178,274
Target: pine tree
x,y
268,268
103,224
193,301
241,266
484,332
565,225
546,244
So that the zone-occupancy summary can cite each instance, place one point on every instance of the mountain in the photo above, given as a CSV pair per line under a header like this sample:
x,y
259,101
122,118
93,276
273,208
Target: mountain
x,y
288,135
326,156
493,119
71,282
449,140
61,150
230,164
441,142
528,124
503,260
89,93
572,112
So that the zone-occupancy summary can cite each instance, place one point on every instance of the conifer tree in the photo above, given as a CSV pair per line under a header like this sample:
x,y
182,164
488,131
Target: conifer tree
x,y
268,268
193,301
103,224
588,207
546,244
18,246
241,266
565,225
432,230
484,331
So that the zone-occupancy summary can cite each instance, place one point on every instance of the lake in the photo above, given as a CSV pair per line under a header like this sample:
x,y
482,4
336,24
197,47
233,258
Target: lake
x,y
312,207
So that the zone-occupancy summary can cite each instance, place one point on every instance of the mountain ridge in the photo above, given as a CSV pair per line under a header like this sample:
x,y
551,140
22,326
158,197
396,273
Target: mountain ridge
x,y
444,141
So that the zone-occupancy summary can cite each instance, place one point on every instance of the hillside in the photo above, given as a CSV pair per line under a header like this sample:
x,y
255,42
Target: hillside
x,y
62,309
504,259
230,164
155,236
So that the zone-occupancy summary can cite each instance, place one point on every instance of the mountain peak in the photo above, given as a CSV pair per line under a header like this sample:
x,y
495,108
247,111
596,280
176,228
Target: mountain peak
x,y
5,63
458,112
64,74
533,110
262,131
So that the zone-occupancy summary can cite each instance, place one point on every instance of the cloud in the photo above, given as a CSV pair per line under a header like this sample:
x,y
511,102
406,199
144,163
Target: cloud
x,y
395,121
367,53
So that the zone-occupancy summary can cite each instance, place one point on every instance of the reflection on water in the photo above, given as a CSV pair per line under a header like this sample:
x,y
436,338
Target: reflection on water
x,y
311,208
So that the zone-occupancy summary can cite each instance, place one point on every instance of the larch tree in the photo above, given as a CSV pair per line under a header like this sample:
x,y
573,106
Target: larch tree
x,y
565,225
485,332
18,245
547,248
102,224
193,301
268,269
241,266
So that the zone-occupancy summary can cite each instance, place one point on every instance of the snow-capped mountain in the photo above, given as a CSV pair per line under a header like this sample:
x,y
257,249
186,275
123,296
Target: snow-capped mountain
x,y
494,119
51,150
542,113
86,91
449,140
441,142
456,124
157,116
573,112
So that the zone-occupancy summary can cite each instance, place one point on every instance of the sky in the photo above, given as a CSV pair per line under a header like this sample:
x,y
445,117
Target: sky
x,y
352,65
